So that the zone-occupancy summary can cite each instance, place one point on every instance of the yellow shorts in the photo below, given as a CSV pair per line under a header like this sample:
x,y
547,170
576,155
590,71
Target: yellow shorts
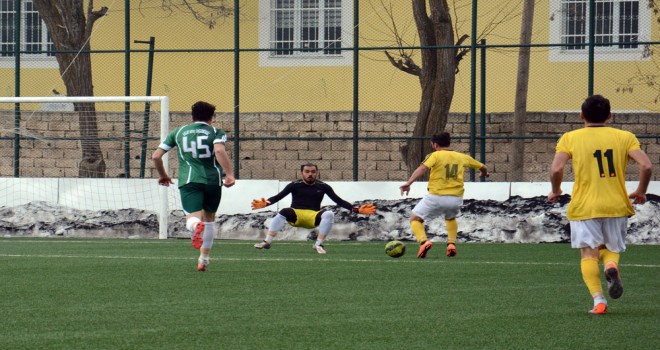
x,y
305,218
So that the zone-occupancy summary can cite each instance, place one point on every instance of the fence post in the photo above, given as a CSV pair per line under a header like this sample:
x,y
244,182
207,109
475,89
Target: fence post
x,y
473,84
127,88
147,104
592,36
482,152
237,100
356,85
17,86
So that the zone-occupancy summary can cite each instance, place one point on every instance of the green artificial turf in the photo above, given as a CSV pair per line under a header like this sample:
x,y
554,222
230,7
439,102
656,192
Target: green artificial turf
x,y
141,294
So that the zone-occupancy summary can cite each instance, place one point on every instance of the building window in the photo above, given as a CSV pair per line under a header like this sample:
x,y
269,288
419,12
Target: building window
x,y
34,37
619,26
312,32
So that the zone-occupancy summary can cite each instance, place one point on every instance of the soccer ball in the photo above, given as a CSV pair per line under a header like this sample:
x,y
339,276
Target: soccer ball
x,y
395,249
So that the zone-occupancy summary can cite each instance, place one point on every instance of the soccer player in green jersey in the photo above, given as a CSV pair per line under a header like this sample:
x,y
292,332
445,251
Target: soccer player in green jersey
x,y
600,206
445,191
202,159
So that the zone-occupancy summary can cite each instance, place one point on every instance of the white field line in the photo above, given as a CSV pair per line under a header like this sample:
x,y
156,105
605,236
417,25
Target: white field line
x,y
380,261
158,241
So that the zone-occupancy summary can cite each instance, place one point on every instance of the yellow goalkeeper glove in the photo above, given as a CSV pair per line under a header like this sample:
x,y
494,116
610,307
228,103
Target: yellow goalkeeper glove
x,y
259,203
365,209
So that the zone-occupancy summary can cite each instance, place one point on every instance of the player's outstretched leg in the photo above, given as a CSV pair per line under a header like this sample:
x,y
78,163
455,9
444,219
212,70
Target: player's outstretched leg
x,y
419,231
276,225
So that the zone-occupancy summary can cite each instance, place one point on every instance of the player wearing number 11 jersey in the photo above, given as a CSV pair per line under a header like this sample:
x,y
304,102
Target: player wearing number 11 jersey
x,y
445,195
202,157
599,208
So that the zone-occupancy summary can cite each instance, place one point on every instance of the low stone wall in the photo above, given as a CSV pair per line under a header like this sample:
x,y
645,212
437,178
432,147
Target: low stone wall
x,y
273,145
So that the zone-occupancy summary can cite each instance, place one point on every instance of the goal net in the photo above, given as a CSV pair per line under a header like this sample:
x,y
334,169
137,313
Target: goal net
x,y
83,156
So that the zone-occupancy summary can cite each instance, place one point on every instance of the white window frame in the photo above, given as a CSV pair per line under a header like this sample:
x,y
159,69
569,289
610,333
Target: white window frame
x,y
299,58
36,60
601,53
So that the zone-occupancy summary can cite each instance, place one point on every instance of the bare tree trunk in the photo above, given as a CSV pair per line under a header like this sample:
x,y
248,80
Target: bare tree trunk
x,y
70,31
520,112
436,77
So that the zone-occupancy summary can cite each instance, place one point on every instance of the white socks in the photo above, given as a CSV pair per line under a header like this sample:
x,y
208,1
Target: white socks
x,y
190,223
277,224
327,219
208,235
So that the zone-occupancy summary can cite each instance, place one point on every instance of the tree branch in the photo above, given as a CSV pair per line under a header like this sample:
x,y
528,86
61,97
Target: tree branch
x,y
92,16
406,64
461,52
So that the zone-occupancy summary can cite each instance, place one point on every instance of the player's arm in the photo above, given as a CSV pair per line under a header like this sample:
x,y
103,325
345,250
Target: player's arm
x,y
223,159
335,198
483,171
645,171
419,172
557,175
157,159
477,165
368,208
263,202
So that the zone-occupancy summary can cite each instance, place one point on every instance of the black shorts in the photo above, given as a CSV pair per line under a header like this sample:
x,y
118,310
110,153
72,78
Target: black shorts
x,y
197,196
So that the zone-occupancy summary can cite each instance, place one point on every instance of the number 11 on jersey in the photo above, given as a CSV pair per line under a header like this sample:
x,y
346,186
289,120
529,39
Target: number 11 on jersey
x,y
610,162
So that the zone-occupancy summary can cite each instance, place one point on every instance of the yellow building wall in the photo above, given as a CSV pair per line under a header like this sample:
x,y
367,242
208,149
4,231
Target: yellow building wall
x,y
190,76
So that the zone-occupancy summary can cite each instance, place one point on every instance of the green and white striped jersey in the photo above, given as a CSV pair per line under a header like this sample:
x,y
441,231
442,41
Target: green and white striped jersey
x,y
194,143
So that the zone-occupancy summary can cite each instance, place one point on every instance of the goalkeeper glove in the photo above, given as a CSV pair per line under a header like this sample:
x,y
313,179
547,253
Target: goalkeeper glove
x,y
259,203
365,209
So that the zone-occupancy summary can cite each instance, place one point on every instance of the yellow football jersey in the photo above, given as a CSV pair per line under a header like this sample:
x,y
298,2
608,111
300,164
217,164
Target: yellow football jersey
x,y
447,168
600,158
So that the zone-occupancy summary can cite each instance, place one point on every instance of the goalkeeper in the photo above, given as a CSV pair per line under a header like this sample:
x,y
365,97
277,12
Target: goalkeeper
x,y
305,211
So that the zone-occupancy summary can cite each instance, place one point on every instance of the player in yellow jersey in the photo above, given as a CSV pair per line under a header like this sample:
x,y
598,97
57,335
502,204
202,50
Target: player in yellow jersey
x,y
599,208
445,191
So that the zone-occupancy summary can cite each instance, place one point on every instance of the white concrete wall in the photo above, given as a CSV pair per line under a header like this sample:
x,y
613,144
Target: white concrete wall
x,y
101,194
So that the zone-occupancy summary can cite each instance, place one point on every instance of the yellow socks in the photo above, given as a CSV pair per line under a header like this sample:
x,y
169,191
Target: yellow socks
x,y
420,233
591,276
452,230
607,256
418,230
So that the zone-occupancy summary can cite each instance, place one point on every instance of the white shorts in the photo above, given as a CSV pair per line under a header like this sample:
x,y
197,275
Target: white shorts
x,y
432,206
593,233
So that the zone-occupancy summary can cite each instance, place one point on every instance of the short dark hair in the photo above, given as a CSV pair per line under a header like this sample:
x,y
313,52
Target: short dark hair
x,y
203,111
443,139
308,164
596,109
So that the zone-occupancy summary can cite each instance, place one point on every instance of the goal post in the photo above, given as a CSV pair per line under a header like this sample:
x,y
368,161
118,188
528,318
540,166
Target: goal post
x,y
32,129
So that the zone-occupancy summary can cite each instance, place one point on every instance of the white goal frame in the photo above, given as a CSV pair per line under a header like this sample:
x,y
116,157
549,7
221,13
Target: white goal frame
x,y
163,212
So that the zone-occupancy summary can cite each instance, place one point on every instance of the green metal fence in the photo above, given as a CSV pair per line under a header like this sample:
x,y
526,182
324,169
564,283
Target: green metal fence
x,y
354,139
